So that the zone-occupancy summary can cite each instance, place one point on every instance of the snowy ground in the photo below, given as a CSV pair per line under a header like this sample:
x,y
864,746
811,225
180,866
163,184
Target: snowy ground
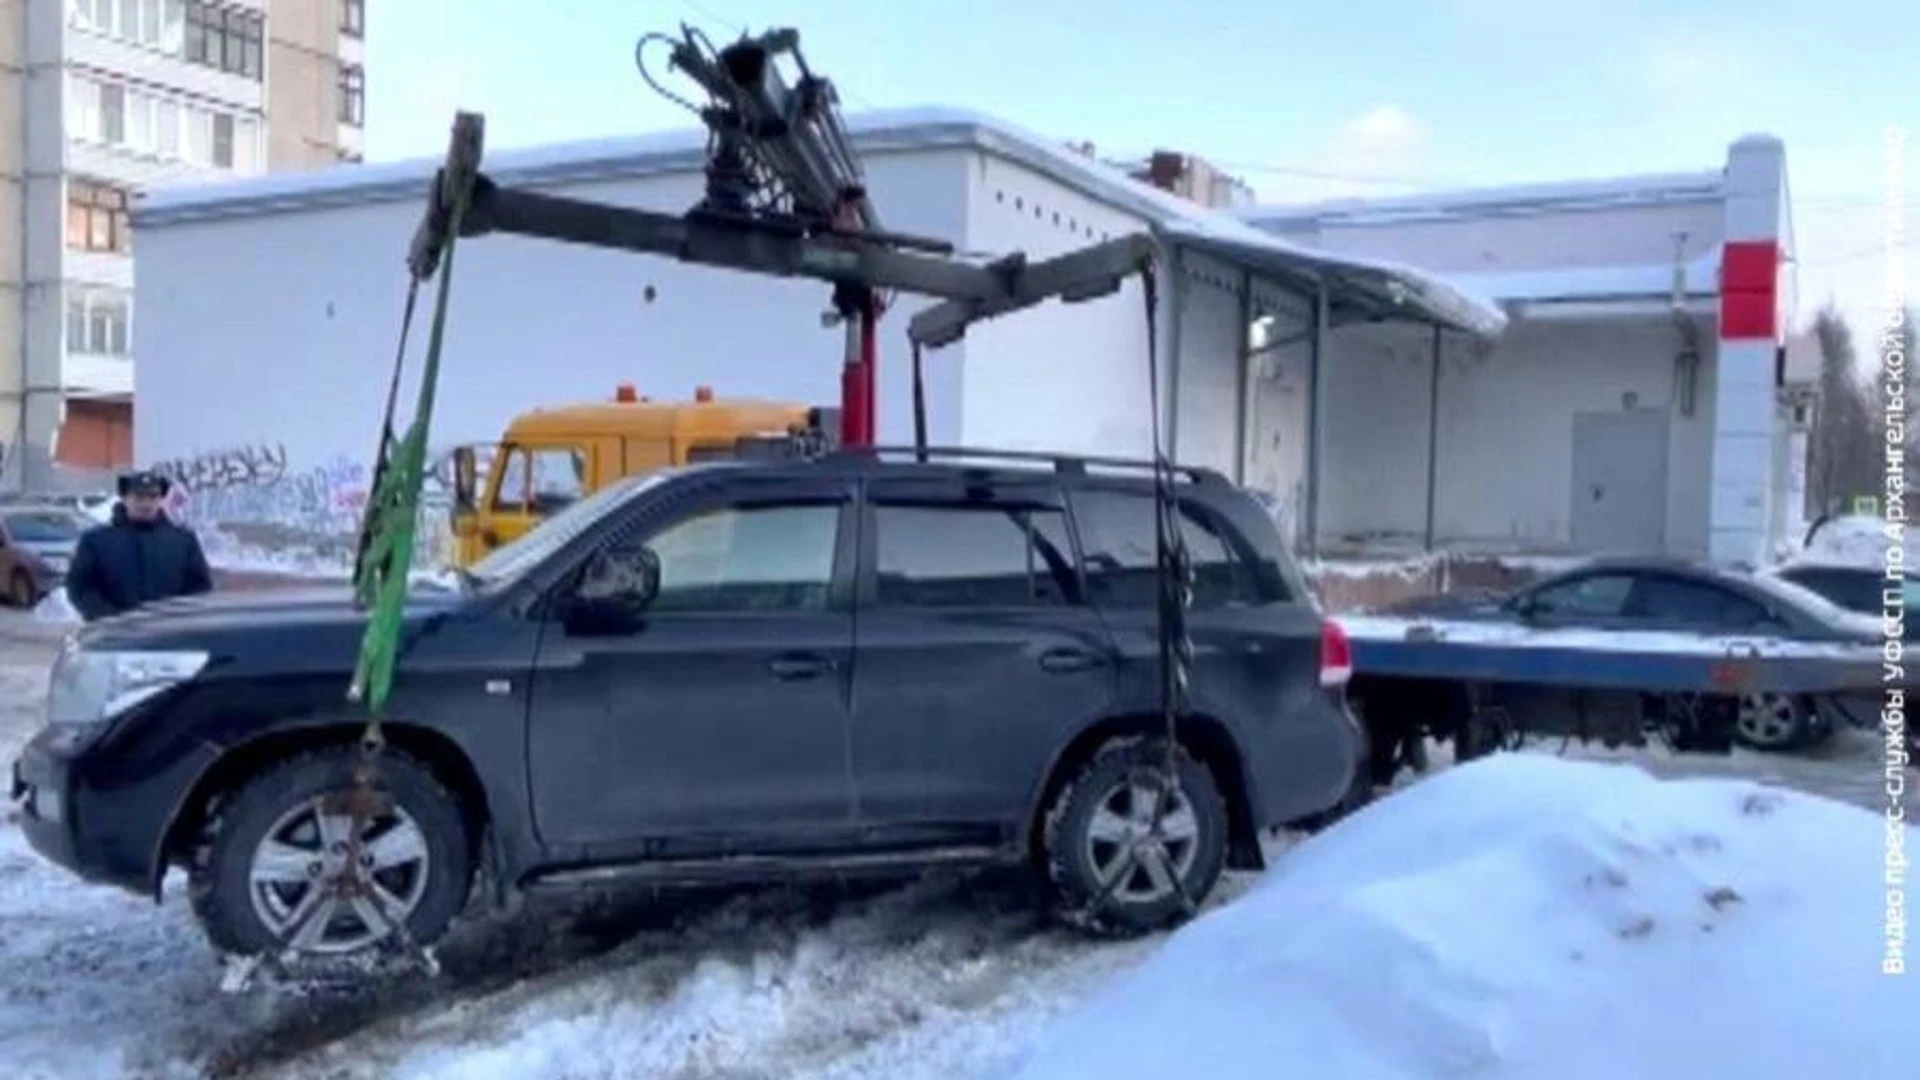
x,y
947,978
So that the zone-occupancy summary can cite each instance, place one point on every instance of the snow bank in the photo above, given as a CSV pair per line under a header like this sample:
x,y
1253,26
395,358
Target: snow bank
x,y
1852,540
56,608
1525,918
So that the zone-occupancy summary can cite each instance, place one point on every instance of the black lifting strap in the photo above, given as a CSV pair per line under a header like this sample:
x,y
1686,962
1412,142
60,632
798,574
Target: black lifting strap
x,y
1175,585
919,408
387,437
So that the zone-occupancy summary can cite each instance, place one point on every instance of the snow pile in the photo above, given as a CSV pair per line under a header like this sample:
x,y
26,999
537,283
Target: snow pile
x,y
1852,540
56,608
1525,918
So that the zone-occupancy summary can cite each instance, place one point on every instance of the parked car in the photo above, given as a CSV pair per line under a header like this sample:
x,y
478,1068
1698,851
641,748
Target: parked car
x,y
1859,589
727,671
36,546
1624,594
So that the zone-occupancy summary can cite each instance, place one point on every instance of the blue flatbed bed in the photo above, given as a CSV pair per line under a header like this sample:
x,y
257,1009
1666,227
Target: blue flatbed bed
x,y
1491,652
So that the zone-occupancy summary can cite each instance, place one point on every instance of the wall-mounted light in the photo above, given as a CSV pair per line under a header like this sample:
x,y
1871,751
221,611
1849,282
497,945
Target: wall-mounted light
x,y
1687,373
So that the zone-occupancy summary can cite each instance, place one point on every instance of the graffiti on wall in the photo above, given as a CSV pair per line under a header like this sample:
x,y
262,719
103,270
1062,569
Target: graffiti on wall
x,y
256,498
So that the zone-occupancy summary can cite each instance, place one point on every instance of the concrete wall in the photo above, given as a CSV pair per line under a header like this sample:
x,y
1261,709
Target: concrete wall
x,y
263,387
303,89
1059,377
13,57
42,333
1505,420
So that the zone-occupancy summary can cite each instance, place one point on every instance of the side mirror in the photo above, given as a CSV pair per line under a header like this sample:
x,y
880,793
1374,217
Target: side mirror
x,y
1527,608
614,592
465,476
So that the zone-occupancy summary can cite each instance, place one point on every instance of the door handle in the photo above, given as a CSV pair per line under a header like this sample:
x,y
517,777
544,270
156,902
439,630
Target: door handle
x,y
796,666
1063,660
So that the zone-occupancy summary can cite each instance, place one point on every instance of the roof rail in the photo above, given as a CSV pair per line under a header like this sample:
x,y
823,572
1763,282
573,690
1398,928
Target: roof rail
x,y
1065,464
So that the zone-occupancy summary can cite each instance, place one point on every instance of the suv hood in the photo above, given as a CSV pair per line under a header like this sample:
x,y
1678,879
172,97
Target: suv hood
x,y
329,609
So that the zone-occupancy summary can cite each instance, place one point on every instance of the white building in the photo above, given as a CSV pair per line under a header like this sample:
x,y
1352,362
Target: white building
x,y
1638,401
265,371
106,98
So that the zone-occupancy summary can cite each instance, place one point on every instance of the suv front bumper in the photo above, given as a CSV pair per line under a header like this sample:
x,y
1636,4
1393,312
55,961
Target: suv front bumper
x,y
110,837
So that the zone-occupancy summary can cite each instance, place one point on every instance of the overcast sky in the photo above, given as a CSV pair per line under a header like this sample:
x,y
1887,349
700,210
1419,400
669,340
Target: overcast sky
x,y
1304,101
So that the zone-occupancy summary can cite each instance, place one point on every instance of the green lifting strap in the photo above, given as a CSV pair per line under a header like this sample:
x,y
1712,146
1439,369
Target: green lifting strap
x,y
393,510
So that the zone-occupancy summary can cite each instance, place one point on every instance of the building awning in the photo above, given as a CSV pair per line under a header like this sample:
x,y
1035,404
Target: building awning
x,y
1359,290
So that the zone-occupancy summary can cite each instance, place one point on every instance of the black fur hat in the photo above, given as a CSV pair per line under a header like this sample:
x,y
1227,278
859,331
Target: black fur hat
x,y
144,482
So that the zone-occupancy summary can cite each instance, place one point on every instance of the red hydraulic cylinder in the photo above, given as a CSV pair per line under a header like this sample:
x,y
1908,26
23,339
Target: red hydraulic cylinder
x,y
858,382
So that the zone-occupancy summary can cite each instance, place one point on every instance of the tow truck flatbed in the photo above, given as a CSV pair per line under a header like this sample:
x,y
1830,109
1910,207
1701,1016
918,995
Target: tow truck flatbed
x,y
1651,662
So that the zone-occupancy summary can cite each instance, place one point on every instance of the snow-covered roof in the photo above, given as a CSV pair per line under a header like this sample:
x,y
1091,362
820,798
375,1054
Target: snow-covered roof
x,y
1366,287
1652,281
1653,189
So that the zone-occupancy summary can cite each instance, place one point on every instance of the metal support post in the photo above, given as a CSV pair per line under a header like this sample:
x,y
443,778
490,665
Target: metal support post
x,y
1433,434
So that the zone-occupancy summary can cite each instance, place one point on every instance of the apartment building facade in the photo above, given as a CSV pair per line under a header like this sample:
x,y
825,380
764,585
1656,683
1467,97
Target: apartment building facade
x,y
98,100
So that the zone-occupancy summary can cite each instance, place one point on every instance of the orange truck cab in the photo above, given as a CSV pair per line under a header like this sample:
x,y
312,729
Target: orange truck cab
x,y
549,458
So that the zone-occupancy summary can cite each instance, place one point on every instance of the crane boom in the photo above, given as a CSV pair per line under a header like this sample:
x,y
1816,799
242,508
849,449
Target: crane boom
x,y
764,244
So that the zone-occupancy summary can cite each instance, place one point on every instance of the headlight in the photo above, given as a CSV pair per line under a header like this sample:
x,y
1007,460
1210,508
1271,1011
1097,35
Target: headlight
x,y
89,687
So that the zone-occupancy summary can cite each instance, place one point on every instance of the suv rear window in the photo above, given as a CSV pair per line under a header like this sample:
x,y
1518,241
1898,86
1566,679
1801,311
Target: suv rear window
x,y
961,556
1117,536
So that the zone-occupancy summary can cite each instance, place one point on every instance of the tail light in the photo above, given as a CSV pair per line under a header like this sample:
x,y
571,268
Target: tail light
x,y
1336,655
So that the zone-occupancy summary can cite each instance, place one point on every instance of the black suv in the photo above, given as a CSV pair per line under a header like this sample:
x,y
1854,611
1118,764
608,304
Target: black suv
x,y
724,672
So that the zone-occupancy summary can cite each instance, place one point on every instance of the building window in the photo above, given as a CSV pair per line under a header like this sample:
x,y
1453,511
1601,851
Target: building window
x,y
353,95
97,218
98,323
141,122
154,24
113,113
353,18
224,38
223,141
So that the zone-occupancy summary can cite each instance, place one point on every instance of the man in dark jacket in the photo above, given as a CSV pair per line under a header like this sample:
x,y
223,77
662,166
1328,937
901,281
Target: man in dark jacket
x,y
141,557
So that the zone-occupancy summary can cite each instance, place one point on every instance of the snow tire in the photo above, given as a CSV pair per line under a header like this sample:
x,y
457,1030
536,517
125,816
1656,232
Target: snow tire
x,y
1066,840
218,876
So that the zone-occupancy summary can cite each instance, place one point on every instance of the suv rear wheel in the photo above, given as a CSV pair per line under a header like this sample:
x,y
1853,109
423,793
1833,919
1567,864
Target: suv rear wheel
x,y
1117,873
259,884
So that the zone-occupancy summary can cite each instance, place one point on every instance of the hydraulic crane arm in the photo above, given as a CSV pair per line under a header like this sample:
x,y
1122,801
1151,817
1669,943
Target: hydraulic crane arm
x,y
780,247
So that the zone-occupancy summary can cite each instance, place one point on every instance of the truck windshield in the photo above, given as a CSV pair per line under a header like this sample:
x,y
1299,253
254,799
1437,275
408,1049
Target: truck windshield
x,y
510,561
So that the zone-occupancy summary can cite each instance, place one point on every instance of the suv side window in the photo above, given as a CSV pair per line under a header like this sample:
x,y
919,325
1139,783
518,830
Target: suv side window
x,y
1117,535
745,558
972,555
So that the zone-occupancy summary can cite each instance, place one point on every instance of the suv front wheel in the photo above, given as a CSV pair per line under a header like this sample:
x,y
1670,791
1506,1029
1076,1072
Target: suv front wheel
x,y
260,884
1115,868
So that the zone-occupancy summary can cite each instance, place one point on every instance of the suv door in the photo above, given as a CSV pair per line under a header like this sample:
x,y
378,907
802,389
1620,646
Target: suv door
x,y
716,719
978,655
1256,642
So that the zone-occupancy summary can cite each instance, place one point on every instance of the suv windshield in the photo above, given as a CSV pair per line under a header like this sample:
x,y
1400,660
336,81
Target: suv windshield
x,y
44,527
510,561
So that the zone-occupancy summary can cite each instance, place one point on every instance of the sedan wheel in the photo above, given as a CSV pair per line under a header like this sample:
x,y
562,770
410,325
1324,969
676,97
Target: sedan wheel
x,y
1771,721
311,892
21,591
